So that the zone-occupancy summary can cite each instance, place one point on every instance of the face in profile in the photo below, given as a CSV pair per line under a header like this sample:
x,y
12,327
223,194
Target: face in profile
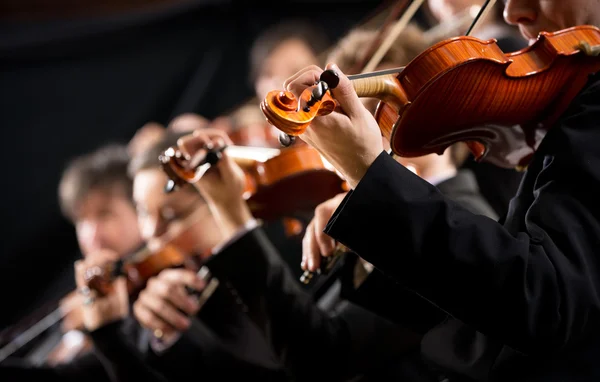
x,y
106,220
535,16
181,215
285,60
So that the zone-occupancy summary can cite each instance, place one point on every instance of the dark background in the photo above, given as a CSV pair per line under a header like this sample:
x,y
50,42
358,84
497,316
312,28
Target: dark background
x,y
75,75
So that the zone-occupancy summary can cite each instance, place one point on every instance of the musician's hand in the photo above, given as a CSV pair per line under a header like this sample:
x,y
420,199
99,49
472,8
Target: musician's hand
x,y
223,185
99,311
165,305
316,243
349,138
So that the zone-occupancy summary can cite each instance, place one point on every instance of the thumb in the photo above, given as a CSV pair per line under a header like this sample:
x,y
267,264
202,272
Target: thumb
x,y
345,94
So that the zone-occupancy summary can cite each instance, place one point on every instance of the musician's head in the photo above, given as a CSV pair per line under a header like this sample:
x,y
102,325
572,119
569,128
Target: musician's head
x,y
95,193
281,51
534,16
182,214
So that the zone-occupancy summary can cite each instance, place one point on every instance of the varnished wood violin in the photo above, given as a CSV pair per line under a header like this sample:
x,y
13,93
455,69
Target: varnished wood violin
x,y
279,183
478,92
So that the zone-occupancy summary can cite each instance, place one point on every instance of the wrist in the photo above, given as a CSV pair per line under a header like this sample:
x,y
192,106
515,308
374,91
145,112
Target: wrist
x,y
232,217
359,168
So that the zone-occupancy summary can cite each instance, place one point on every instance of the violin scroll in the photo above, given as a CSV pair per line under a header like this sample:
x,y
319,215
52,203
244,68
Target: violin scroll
x,y
174,165
292,116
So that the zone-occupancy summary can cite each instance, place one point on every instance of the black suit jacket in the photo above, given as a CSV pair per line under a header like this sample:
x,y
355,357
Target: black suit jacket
x,y
531,285
378,291
314,345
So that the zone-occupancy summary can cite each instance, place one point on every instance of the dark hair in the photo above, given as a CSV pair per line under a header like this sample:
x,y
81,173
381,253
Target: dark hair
x,y
104,169
272,37
149,158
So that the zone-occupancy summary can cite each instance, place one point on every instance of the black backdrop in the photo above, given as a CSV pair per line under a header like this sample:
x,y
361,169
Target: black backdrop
x,y
68,86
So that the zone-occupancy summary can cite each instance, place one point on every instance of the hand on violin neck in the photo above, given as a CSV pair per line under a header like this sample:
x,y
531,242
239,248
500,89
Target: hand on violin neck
x,y
223,185
97,310
200,146
349,138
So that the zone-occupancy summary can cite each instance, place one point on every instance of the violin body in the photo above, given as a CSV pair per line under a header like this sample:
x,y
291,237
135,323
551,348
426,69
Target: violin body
x,y
297,179
466,90
476,86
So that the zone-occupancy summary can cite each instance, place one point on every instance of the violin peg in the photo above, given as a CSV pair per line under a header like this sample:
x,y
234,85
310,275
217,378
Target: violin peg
x,y
286,140
331,78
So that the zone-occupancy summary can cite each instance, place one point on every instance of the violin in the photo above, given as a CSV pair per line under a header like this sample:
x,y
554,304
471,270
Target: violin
x,y
137,268
279,182
478,92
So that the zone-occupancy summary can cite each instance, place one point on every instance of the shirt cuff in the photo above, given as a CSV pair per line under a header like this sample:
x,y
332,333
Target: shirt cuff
x,y
249,226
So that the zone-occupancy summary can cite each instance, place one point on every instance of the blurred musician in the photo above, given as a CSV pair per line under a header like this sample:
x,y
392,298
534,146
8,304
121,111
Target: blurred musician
x,y
281,50
95,194
215,338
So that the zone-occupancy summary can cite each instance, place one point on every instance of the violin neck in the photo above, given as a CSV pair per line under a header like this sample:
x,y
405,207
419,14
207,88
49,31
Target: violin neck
x,y
385,88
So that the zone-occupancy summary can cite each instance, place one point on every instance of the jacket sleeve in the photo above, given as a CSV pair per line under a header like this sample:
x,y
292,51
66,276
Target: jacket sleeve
x,y
312,342
537,286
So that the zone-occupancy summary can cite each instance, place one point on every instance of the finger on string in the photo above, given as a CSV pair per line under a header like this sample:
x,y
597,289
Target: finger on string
x,y
193,144
304,81
310,68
